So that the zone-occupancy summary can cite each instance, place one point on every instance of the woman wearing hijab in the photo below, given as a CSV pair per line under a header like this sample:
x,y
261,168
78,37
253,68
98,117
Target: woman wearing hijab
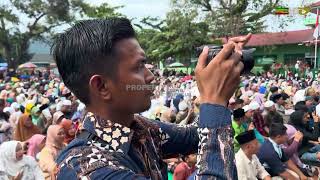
x,y
36,144
25,129
35,115
47,156
69,130
15,165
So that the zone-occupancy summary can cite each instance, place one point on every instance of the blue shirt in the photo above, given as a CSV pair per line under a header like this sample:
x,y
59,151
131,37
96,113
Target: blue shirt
x,y
270,158
119,152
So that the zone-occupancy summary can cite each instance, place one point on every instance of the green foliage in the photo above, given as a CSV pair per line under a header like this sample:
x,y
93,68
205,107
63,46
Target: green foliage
x,y
230,18
40,17
266,67
177,36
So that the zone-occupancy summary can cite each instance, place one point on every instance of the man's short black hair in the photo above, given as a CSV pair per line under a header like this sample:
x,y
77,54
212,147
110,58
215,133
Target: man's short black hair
x,y
277,129
301,106
273,117
274,89
88,48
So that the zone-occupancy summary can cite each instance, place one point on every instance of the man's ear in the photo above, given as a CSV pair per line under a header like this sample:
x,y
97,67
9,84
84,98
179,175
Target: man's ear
x,y
99,86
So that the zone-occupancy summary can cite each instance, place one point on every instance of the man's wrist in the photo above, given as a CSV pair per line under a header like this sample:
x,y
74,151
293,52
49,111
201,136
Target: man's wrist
x,y
213,101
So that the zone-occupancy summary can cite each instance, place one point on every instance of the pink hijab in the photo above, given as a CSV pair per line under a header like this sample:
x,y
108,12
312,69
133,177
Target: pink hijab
x,y
34,143
52,141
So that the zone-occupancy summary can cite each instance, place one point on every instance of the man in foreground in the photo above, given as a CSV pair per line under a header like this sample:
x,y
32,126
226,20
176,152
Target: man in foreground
x,y
248,164
102,63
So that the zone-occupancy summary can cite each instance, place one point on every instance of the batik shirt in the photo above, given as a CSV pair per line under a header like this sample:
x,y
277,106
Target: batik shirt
x,y
119,152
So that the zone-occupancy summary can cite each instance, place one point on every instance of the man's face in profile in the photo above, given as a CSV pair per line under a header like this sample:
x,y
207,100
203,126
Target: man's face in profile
x,y
131,91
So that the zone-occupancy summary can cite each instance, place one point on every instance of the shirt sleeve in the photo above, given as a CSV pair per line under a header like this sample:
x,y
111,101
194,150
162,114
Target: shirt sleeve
x,y
215,154
273,161
179,173
242,175
262,173
178,139
291,149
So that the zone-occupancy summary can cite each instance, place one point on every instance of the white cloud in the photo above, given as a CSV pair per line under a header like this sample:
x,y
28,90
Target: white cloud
x,y
139,8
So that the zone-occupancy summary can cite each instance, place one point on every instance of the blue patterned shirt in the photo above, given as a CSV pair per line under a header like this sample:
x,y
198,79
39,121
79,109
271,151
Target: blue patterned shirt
x,y
119,152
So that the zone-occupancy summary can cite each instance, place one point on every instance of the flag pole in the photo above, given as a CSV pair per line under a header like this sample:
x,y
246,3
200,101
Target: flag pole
x,y
316,44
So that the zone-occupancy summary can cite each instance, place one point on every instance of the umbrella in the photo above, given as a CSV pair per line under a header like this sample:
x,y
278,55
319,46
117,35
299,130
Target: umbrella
x,y
27,65
149,66
176,64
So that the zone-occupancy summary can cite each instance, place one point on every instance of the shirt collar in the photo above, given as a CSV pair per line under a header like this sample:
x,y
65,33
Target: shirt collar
x,y
276,147
244,156
116,136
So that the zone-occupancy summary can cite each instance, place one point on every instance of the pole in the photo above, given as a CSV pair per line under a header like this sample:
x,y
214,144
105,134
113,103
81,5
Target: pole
x,y
316,45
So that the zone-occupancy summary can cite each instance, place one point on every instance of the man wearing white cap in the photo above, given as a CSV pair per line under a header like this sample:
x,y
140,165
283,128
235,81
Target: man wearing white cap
x,y
257,118
14,117
268,107
66,109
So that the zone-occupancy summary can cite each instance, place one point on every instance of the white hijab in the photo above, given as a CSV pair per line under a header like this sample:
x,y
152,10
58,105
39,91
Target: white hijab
x,y
8,160
9,163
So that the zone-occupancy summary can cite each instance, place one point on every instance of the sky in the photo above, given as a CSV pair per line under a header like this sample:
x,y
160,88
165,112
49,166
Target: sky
x,y
158,8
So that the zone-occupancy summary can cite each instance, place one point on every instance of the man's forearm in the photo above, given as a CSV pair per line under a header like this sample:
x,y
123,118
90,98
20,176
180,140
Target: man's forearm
x,y
216,157
294,168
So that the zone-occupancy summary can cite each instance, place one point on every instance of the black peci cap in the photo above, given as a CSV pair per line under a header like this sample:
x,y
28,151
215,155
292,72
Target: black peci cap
x,y
246,137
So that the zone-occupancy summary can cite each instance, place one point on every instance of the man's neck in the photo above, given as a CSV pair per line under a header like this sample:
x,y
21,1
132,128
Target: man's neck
x,y
122,118
190,164
249,155
275,141
238,122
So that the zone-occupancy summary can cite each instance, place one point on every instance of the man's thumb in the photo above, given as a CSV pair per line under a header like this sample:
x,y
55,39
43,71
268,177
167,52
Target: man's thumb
x,y
202,60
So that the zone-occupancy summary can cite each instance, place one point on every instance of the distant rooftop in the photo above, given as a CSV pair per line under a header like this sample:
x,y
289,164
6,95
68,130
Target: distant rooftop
x,y
279,38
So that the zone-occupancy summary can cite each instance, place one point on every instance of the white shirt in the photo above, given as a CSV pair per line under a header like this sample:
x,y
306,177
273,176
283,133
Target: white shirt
x,y
249,170
318,110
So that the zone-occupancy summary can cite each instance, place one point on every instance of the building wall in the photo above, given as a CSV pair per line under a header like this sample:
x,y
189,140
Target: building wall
x,y
282,53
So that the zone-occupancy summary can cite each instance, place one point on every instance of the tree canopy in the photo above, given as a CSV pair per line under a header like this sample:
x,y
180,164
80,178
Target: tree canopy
x,y
24,20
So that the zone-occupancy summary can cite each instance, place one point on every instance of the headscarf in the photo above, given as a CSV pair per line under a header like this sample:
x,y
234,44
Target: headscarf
x,y
28,108
52,142
34,143
35,117
67,125
23,133
12,167
291,131
8,160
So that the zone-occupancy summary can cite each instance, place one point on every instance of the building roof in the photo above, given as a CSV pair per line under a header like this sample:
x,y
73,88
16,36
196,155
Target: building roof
x,y
42,58
314,5
279,38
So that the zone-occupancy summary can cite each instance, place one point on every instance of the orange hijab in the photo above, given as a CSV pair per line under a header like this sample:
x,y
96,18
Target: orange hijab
x,y
67,125
23,133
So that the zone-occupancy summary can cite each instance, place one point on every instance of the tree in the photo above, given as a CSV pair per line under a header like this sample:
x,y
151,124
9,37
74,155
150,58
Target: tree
x,y
233,17
24,20
177,36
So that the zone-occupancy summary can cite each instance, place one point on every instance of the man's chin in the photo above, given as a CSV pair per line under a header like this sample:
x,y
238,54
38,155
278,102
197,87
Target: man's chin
x,y
146,106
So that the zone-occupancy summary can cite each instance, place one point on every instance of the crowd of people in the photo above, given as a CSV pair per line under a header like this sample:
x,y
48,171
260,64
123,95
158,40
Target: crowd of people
x,y
207,126
38,118
275,124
